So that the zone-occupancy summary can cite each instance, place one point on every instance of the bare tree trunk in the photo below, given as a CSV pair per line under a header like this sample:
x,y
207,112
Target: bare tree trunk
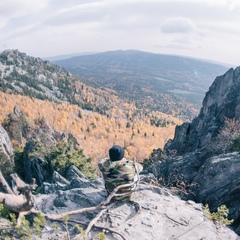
x,y
4,184
11,200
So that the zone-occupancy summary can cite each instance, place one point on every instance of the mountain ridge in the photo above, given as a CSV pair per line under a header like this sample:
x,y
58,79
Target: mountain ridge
x,y
155,81
71,55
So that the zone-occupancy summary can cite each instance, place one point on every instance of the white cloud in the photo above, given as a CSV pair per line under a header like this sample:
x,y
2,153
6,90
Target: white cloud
x,y
234,4
197,28
84,13
178,25
230,4
81,7
12,9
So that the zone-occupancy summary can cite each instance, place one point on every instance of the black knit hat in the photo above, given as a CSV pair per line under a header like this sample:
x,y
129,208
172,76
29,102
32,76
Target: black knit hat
x,y
116,153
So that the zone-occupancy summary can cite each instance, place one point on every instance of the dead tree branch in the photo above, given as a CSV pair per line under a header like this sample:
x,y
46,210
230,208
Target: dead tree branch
x,y
107,229
94,220
89,209
24,203
14,202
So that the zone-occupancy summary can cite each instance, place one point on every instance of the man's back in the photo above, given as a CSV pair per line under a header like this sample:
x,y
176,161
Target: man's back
x,y
118,172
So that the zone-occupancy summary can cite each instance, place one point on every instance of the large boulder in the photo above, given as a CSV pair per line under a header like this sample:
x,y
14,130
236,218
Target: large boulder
x,y
217,183
173,169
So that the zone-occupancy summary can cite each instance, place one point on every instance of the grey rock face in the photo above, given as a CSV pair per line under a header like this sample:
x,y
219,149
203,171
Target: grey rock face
x,y
218,183
5,143
6,154
212,180
75,179
222,100
161,215
38,169
173,169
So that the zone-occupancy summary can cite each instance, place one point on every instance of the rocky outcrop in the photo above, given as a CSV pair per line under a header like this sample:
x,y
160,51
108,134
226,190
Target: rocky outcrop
x,y
192,165
154,213
17,126
217,183
33,137
37,139
221,101
214,181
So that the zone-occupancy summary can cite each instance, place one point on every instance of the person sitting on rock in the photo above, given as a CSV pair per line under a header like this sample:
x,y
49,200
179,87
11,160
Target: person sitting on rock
x,y
117,170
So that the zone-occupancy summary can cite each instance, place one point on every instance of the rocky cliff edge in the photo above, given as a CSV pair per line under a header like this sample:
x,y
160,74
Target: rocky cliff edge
x,y
154,212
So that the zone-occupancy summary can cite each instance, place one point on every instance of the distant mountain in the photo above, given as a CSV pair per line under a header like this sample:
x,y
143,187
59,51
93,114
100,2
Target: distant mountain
x,y
171,84
65,56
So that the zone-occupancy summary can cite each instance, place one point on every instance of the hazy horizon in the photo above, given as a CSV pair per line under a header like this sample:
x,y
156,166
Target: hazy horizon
x,y
203,29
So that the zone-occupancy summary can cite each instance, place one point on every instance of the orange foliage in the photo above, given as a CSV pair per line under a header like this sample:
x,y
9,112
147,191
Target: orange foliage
x,y
96,133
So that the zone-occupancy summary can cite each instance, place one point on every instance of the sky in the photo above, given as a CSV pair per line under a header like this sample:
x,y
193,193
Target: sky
x,y
205,29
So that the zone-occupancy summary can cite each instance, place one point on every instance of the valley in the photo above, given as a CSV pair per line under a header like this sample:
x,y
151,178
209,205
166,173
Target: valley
x,y
130,100
170,84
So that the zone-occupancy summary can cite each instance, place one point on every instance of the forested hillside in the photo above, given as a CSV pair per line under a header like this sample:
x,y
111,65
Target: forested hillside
x,y
97,117
171,84
95,132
